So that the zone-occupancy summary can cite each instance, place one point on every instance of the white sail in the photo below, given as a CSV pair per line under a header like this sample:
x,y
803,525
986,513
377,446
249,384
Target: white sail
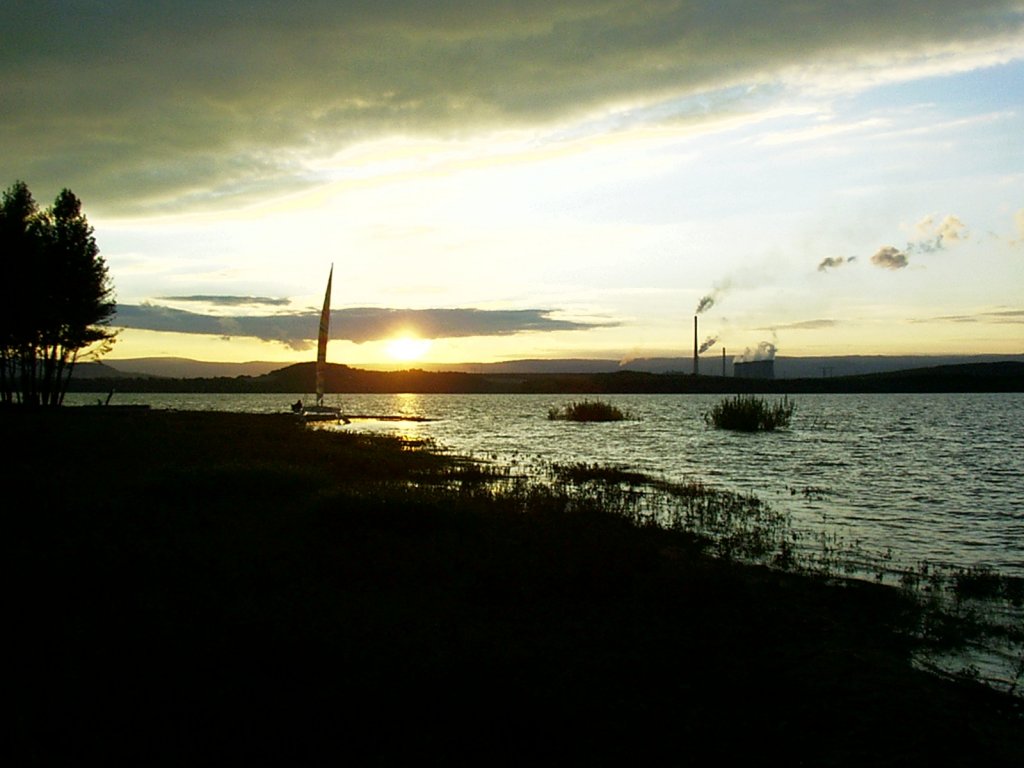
x,y
322,337
319,411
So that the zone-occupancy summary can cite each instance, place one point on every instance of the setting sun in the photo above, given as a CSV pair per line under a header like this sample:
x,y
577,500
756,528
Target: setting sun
x,y
408,348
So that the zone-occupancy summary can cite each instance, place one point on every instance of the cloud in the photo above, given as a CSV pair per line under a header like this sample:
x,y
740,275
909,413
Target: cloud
x,y
1018,219
365,324
948,319
926,225
297,330
1006,316
999,317
934,237
951,230
889,257
231,301
195,102
834,262
804,325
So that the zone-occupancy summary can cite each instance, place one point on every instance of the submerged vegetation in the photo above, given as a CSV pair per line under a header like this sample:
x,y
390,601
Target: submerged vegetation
x,y
749,413
723,523
245,581
587,410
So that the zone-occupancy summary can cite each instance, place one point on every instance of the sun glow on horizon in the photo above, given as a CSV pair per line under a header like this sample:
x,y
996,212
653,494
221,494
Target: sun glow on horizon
x,y
407,348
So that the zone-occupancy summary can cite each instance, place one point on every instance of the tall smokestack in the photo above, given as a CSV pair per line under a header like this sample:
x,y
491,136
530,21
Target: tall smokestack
x,y
723,362
695,358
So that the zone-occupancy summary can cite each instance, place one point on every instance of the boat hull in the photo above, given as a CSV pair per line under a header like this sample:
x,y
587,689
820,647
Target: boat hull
x,y
321,413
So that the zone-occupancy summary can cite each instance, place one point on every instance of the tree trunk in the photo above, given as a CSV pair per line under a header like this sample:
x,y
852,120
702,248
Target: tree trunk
x,y
64,371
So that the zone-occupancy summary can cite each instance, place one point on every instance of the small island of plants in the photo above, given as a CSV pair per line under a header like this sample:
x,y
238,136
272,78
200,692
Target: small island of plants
x,y
587,410
748,413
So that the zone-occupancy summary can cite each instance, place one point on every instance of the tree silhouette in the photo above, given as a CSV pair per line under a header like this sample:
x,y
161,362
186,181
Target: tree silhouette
x,y
18,255
56,300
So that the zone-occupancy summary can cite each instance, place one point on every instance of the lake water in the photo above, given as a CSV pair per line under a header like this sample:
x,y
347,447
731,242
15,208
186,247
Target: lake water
x,y
934,477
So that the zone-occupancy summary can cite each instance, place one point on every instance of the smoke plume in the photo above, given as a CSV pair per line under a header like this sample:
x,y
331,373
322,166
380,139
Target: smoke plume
x,y
765,351
709,342
707,302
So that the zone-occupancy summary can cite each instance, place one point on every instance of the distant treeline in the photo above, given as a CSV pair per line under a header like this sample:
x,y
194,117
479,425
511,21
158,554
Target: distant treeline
x,y
298,379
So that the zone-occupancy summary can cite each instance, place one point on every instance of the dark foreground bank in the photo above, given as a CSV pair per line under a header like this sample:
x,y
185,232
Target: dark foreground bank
x,y
224,588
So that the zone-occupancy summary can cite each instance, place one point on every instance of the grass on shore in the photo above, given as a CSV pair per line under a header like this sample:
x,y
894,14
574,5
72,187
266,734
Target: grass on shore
x,y
202,587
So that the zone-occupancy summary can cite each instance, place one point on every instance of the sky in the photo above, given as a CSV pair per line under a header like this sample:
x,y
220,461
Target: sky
x,y
533,179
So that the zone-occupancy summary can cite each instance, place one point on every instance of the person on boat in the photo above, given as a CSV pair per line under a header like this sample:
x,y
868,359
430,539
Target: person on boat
x,y
297,406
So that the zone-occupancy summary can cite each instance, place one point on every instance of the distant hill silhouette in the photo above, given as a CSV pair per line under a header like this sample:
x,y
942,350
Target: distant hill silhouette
x,y
710,365
176,368
1004,376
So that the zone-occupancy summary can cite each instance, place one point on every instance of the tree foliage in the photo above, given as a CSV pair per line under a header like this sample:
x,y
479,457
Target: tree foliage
x,y
56,300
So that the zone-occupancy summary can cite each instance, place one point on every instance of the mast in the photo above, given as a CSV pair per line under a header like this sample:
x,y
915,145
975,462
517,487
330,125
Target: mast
x,y
696,360
321,342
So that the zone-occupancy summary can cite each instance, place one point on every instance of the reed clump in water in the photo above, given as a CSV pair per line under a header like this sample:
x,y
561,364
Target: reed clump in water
x,y
587,410
749,413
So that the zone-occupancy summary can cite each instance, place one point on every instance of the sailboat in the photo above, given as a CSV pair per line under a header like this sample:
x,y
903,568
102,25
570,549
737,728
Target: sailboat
x,y
321,412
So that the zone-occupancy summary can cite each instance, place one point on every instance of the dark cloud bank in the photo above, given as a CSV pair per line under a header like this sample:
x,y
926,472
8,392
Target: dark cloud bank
x,y
357,324
195,102
231,301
